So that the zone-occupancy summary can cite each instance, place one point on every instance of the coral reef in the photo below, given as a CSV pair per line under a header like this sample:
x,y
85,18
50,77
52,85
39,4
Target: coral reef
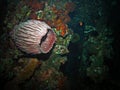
x,y
56,58
43,70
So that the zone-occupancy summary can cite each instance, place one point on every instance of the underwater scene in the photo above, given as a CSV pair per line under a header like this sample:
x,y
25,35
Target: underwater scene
x,y
59,45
